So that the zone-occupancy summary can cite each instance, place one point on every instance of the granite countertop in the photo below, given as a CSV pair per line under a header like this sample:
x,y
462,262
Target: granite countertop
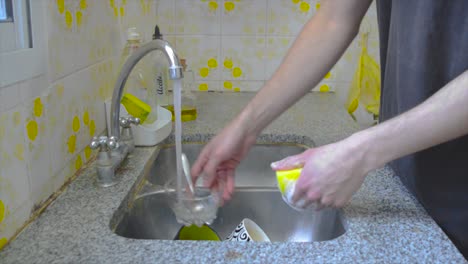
x,y
384,222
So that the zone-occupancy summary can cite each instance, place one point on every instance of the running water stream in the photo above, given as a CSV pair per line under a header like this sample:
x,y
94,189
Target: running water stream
x,y
178,135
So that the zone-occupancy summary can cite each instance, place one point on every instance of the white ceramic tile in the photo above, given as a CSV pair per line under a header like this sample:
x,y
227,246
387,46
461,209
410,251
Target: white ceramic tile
x,y
243,58
172,41
9,97
56,111
287,17
165,16
34,87
276,50
14,183
244,17
198,17
94,105
202,54
139,14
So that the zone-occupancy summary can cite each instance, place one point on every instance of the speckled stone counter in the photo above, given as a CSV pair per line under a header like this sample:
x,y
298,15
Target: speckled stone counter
x,y
384,222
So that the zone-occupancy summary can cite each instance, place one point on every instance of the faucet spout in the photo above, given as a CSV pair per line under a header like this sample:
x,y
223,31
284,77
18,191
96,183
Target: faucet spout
x,y
175,72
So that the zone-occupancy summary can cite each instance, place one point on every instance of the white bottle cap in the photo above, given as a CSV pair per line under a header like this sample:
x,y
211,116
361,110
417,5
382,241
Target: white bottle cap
x,y
132,34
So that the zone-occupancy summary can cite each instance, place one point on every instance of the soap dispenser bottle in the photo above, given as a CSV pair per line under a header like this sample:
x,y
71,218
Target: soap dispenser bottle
x,y
189,108
137,100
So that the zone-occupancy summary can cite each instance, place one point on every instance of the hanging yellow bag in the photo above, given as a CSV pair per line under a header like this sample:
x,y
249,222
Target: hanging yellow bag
x,y
365,86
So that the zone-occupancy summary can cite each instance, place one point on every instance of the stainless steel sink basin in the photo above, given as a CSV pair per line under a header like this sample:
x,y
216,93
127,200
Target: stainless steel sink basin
x,y
152,218
256,197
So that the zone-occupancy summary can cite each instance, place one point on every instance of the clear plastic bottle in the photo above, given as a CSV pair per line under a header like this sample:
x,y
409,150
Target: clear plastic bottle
x,y
137,82
189,109
160,68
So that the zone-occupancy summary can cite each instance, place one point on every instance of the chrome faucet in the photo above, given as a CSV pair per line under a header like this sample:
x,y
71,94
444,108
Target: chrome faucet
x,y
114,149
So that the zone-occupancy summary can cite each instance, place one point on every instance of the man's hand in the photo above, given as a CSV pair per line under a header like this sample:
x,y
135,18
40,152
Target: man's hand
x,y
331,174
329,32
220,157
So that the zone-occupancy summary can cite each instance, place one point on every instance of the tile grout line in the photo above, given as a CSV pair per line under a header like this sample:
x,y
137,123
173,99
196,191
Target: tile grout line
x,y
265,77
220,46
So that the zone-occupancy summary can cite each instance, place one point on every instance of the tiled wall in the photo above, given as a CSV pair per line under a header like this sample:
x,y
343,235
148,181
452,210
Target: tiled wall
x,y
47,122
237,45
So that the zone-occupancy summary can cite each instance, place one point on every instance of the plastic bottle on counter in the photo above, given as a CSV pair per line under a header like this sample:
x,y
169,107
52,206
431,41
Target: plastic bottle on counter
x,y
137,82
161,70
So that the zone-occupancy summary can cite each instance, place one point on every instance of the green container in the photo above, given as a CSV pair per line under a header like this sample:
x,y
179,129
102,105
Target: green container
x,y
194,232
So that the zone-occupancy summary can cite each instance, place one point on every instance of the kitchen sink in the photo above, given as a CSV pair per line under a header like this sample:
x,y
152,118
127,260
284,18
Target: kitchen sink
x,y
148,214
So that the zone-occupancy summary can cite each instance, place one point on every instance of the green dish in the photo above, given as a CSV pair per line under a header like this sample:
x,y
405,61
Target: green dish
x,y
194,232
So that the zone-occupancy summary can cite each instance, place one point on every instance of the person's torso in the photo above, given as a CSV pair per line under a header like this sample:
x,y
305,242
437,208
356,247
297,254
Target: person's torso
x,y
424,45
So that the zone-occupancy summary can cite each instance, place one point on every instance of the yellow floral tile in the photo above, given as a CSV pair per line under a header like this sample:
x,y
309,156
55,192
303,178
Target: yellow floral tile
x,y
243,58
14,185
13,222
76,111
15,201
287,17
198,17
71,15
205,86
202,54
80,33
241,86
243,17
37,149
325,86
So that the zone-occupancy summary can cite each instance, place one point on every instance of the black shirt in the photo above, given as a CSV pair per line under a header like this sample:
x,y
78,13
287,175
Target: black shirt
x,y
423,46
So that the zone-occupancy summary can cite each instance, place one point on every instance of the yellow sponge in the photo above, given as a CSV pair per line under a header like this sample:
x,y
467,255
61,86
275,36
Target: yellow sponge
x,y
136,107
287,176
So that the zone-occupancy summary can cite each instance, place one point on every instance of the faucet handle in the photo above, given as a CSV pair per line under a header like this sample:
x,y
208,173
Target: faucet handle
x,y
103,143
126,122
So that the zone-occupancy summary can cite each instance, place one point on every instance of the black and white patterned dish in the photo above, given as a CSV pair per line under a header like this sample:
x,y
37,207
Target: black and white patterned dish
x,y
248,231
239,234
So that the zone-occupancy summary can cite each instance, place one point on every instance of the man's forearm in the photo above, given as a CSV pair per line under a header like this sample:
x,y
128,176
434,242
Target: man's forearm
x,y
442,117
319,46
